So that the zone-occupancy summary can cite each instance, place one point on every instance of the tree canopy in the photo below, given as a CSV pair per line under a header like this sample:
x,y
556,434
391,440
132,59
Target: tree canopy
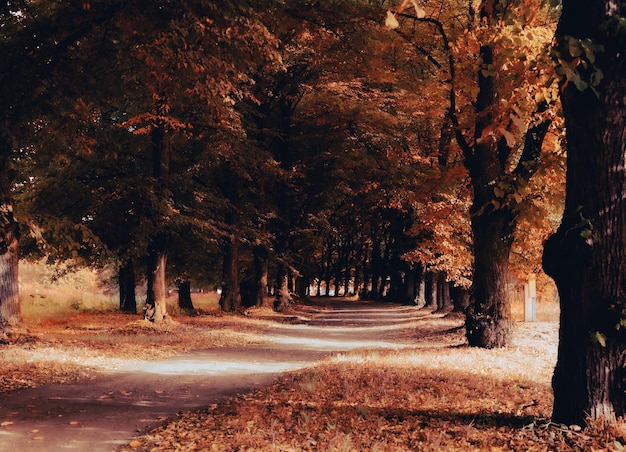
x,y
303,134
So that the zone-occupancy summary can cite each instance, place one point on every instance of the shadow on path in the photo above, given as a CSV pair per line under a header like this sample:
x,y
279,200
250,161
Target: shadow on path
x,y
105,413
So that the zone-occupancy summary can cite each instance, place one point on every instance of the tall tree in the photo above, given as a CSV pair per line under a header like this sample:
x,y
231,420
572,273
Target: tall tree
x,y
36,37
501,143
587,255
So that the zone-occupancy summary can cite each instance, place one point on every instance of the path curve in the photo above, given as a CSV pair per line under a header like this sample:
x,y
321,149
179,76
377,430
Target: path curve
x,y
106,413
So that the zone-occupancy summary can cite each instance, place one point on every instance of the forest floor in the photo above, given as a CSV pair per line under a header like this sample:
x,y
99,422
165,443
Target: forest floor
x,y
326,376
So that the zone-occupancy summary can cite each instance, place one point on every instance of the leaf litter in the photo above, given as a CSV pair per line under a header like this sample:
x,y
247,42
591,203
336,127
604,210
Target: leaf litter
x,y
436,394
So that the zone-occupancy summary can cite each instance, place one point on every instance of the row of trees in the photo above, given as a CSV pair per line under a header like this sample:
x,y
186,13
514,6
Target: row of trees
x,y
306,138
244,138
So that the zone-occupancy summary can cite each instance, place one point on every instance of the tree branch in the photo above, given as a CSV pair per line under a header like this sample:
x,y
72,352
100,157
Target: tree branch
x,y
533,142
458,133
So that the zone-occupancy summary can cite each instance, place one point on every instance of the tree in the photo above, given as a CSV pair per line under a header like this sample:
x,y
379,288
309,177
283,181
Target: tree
x,y
586,256
501,141
36,37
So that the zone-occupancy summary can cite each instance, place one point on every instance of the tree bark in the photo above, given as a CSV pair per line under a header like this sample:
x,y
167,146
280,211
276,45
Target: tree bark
x,y
184,294
587,254
155,309
488,318
10,314
460,298
283,298
230,299
430,291
126,281
261,274
444,302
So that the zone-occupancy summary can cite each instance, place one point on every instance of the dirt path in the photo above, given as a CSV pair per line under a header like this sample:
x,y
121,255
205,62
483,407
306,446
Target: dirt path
x,y
103,414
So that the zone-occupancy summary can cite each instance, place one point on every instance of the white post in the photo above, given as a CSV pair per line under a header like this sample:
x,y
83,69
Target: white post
x,y
530,299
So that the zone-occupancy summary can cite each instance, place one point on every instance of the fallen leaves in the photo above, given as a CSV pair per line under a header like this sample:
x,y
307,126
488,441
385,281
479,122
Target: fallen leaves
x,y
435,395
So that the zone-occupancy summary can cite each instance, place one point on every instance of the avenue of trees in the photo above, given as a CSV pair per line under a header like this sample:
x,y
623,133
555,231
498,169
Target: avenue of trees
x,y
310,145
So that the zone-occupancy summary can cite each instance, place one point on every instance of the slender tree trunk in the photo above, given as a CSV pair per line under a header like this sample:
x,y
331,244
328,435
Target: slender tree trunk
x,y
126,280
155,309
184,294
421,287
230,299
10,314
444,302
283,298
587,255
430,291
261,274
376,268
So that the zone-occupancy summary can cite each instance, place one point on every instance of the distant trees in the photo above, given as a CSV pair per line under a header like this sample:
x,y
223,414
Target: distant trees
x,y
586,254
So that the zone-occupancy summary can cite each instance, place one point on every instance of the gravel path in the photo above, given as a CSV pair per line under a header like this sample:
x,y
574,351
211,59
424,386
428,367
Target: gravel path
x,y
106,413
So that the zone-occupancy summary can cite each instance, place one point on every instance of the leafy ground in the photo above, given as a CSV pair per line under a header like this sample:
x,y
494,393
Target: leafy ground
x,y
437,394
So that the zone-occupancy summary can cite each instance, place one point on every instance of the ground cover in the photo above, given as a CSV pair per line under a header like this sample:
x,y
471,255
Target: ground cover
x,y
439,395
433,394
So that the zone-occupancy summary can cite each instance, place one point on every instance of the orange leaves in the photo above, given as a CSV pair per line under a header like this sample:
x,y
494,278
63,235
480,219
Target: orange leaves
x,y
142,124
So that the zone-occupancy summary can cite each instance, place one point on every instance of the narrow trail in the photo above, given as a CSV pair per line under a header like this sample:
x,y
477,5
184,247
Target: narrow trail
x,y
106,413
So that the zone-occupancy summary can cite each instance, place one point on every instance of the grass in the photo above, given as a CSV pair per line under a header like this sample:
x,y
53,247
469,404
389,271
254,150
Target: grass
x,y
52,294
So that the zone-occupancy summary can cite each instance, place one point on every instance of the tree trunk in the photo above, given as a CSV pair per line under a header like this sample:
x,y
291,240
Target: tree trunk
x,y
126,281
430,291
10,314
444,302
283,298
184,294
411,286
587,255
155,309
230,299
488,318
261,275
460,298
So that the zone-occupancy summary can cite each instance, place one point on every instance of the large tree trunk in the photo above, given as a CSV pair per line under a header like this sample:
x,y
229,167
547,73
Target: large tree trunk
x,y
230,299
126,281
488,318
587,255
155,309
